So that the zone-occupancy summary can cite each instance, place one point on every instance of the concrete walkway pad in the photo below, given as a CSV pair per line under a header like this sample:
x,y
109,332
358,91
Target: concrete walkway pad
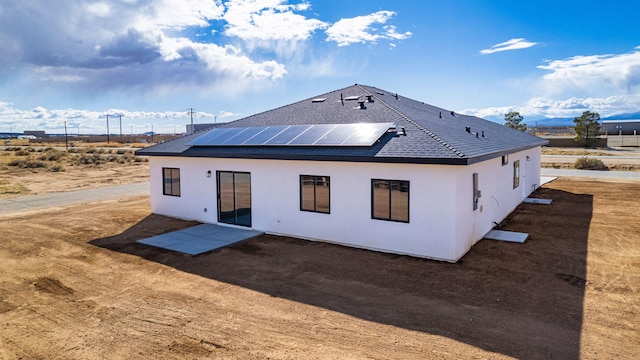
x,y
510,236
538,201
200,238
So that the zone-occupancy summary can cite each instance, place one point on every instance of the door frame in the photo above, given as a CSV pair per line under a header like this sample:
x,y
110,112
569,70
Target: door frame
x,y
237,219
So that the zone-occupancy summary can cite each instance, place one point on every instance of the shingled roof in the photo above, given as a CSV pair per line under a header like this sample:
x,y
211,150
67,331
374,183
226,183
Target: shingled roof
x,y
431,135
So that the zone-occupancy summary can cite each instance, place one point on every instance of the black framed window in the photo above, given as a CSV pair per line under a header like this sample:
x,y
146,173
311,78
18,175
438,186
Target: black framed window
x,y
390,200
516,174
171,181
315,193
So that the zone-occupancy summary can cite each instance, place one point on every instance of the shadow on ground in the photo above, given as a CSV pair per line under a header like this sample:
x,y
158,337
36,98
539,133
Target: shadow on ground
x,y
520,300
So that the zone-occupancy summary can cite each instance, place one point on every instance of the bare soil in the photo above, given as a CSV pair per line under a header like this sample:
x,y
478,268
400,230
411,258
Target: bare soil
x,y
74,284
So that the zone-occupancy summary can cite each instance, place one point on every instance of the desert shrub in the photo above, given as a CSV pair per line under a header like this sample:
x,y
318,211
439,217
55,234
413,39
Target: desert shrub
x,y
140,159
75,151
587,163
34,164
27,164
90,150
22,152
93,159
52,155
123,151
57,168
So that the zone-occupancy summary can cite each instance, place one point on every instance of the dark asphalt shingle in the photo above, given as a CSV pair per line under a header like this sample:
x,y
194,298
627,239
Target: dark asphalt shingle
x,y
433,135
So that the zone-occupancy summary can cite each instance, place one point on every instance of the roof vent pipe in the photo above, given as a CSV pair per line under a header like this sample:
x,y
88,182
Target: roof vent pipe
x,y
453,114
396,96
482,133
467,129
369,98
362,107
402,131
440,114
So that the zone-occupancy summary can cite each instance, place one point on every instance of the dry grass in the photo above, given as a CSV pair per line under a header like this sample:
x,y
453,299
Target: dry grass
x,y
9,187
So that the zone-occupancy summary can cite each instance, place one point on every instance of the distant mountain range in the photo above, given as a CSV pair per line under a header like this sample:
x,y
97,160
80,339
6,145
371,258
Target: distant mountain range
x,y
542,121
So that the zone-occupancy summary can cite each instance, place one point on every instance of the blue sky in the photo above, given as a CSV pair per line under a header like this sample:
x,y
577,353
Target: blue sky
x,y
152,60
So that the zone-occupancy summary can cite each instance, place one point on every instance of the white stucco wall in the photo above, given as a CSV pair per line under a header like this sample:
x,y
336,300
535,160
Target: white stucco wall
x,y
442,223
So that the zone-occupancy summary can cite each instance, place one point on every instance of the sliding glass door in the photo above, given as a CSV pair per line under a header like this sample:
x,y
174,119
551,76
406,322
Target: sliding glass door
x,y
234,197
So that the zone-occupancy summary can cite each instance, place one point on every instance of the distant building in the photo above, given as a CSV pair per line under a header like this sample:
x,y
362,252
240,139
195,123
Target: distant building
x,y
36,133
621,127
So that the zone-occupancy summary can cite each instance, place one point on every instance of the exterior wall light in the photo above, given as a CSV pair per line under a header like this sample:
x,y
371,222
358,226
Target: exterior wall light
x,y
209,173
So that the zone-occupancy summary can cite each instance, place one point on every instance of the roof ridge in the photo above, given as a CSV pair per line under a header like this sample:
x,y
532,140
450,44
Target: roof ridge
x,y
416,124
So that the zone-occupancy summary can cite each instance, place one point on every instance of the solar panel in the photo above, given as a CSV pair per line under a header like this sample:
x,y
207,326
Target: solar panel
x,y
265,135
312,134
242,137
337,135
359,134
288,134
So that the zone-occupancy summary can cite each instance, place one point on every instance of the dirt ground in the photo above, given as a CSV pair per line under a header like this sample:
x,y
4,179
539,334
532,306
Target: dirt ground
x,y
75,285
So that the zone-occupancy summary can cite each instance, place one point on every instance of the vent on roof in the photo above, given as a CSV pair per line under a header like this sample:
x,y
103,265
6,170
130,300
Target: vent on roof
x,y
453,113
369,98
318,100
352,98
361,103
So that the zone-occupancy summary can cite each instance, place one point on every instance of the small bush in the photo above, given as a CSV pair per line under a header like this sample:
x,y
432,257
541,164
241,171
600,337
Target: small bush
x,y
587,163
27,164
32,164
94,159
22,152
57,168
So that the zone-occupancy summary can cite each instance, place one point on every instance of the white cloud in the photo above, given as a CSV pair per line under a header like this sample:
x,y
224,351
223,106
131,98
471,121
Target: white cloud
x,y
570,107
94,122
360,29
593,73
513,44
252,20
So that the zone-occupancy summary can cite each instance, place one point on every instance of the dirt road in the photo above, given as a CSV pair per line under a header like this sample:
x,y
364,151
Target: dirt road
x,y
74,284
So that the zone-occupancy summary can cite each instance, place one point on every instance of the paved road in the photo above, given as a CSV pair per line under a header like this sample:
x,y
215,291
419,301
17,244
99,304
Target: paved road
x,y
628,175
615,159
37,202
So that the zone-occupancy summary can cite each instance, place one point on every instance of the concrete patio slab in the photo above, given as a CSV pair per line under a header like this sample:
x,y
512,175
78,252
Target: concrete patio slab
x,y
200,239
538,201
510,236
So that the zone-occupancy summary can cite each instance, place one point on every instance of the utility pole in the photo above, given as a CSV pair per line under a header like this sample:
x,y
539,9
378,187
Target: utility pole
x,y
120,116
152,133
107,128
66,140
191,114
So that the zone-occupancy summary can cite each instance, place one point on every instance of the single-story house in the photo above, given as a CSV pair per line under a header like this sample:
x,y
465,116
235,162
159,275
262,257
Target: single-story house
x,y
358,166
